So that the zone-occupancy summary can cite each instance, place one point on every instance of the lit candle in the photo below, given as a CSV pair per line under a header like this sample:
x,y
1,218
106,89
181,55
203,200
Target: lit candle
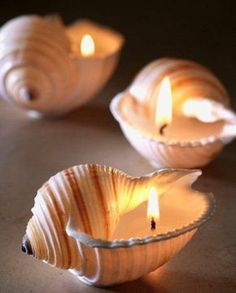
x,y
167,125
197,129
175,126
87,46
142,220
153,213
108,200
163,115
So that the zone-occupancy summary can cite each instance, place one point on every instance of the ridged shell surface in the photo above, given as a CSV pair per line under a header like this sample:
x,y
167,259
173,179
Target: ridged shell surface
x,y
41,71
76,212
188,80
36,72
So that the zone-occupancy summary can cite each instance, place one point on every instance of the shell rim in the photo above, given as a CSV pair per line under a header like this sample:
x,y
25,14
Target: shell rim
x,y
121,243
114,108
101,243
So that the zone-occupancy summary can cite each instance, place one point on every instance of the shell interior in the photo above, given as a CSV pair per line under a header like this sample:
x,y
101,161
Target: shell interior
x,y
107,42
127,110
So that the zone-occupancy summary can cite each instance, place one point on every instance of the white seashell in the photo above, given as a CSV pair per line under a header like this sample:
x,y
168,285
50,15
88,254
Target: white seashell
x,y
172,153
40,71
77,210
134,108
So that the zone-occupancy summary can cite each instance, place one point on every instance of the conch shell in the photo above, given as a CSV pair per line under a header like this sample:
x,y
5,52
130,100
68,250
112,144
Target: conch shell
x,y
41,70
76,212
192,85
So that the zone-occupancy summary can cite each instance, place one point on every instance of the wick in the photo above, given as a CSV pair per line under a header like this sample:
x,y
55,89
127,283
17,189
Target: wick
x,y
162,128
153,224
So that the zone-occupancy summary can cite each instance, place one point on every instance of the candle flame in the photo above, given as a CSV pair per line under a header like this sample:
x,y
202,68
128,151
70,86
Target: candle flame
x,y
164,104
153,212
87,46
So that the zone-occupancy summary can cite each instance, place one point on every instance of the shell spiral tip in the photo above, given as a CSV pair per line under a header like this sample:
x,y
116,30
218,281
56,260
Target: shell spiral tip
x,y
26,246
27,94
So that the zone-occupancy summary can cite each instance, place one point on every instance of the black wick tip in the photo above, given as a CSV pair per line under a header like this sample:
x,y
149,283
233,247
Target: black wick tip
x,y
26,246
162,129
153,224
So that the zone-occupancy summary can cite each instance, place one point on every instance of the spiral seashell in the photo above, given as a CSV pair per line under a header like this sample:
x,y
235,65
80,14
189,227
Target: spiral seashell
x,y
135,109
39,69
76,212
163,152
188,80
35,69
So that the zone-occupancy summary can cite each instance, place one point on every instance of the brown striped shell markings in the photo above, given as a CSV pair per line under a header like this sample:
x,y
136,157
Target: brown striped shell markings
x,y
188,80
88,199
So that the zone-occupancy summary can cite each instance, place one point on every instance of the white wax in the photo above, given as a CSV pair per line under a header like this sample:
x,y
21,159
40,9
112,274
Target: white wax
x,y
181,128
179,207
134,224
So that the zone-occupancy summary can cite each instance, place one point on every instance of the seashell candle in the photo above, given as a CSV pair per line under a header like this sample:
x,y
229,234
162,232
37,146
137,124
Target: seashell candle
x,y
176,114
91,219
51,69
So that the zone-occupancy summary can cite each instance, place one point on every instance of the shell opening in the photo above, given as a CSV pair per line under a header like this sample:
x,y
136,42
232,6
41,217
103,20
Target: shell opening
x,y
78,209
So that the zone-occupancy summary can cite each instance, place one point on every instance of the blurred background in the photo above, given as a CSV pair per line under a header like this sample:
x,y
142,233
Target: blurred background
x,y
203,31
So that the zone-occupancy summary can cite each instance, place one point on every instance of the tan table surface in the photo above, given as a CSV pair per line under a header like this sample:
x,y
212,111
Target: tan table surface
x,y
33,150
